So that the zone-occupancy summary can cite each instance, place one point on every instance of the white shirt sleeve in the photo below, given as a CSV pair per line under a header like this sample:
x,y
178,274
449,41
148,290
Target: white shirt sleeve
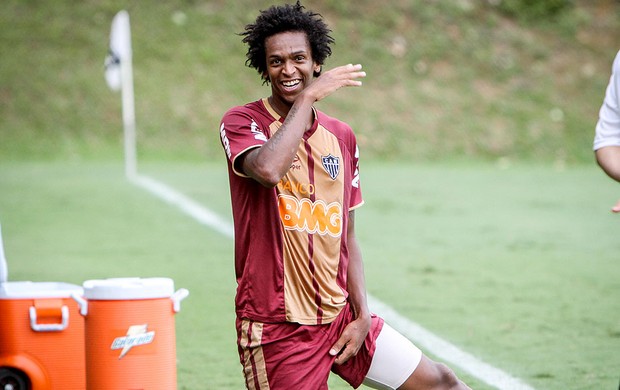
x,y
608,125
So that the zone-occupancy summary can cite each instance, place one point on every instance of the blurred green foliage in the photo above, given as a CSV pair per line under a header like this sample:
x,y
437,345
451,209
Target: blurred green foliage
x,y
446,80
534,9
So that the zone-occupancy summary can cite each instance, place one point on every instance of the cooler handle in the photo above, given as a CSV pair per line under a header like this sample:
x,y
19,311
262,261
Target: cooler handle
x,y
49,327
82,303
177,297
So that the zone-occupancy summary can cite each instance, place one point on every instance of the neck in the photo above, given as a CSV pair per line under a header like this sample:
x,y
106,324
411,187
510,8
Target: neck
x,y
283,108
279,106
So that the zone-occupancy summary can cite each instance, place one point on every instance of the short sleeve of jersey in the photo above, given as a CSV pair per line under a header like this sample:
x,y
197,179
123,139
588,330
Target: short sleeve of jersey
x,y
240,131
608,125
356,193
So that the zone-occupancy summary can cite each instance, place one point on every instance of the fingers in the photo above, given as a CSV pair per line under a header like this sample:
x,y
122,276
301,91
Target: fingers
x,y
342,354
343,73
347,345
336,348
341,349
351,340
334,79
616,208
352,73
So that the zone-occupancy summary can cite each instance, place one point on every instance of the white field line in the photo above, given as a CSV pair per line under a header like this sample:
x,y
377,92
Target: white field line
x,y
447,352
185,204
416,333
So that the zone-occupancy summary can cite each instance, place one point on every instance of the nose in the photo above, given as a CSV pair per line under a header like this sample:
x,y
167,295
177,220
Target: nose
x,y
289,68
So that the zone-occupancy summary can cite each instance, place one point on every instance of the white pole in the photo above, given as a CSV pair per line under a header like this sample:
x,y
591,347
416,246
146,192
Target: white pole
x,y
4,273
129,116
120,48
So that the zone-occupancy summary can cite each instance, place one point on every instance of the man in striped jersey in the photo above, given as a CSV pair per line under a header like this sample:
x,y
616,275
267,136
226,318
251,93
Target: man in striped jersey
x,y
294,181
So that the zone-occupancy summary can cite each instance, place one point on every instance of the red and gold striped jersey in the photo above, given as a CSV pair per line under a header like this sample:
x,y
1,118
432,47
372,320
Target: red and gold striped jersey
x,y
291,253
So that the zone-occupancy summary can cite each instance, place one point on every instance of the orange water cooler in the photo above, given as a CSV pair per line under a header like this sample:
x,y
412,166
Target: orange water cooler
x,y
129,333
41,336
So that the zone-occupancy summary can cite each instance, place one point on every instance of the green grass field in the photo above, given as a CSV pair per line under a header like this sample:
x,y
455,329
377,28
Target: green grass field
x,y
516,265
486,220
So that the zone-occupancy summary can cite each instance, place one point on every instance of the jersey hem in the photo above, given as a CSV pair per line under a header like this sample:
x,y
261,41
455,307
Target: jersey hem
x,y
234,160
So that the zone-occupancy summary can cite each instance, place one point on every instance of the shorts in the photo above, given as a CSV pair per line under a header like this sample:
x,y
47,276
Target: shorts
x,y
284,356
292,356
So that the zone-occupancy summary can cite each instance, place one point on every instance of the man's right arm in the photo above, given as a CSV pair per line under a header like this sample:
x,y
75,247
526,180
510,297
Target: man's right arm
x,y
269,163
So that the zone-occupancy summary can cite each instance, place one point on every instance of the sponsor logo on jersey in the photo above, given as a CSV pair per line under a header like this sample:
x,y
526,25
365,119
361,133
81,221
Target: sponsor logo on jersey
x,y
225,141
356,174
294,186
331,164
257,133
296,164
136,336
305,215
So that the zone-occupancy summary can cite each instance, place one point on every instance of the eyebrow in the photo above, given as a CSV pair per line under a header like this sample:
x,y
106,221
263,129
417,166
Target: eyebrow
x,y
295,53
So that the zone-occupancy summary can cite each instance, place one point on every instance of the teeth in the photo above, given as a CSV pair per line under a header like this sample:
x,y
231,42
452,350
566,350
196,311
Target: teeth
x,y
290,83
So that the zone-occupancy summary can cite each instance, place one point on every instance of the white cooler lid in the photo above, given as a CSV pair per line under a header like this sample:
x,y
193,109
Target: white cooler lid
x,y
128,288
30,290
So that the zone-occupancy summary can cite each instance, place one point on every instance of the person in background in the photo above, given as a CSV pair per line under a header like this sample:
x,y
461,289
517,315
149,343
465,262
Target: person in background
x,y
294,179
607,136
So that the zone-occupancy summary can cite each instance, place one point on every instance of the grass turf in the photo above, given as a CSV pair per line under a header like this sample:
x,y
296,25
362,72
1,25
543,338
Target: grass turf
x,y
516,265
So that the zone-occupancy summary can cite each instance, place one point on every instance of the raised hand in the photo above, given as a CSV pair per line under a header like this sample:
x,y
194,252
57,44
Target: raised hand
x,y
334,79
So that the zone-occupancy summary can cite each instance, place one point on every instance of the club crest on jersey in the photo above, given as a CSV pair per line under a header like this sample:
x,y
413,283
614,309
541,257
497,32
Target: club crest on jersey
x,y
331,164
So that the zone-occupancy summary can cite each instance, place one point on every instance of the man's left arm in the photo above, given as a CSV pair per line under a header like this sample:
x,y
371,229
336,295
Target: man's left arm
x,y
353,336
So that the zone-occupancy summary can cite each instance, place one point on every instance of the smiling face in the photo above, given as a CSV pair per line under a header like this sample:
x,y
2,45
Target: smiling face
x,y
290,68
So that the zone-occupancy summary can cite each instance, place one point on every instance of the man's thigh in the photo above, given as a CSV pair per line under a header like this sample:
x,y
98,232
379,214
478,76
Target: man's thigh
x,y
288,355
394,360
285,355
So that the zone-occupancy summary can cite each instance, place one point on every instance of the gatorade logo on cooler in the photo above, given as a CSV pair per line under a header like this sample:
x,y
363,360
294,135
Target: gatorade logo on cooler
x,y
136,336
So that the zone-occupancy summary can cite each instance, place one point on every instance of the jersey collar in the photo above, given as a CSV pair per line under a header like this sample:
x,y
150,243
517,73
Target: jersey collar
x,y
277,116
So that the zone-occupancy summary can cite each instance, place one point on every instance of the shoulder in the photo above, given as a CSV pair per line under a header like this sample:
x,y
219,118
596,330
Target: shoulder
x,y
336,126
254,115
246,109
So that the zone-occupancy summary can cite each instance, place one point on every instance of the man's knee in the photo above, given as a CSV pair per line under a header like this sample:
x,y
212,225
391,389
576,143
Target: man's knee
x,y
433,375
445,376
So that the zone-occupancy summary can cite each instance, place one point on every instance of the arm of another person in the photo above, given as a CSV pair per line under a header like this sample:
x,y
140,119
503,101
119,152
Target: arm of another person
x,y
353,336
608,158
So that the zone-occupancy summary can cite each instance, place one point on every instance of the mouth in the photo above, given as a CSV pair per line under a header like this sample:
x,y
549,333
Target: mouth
x,y
290,85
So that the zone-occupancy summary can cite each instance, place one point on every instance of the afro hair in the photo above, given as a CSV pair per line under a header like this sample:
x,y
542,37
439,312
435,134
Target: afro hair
x,y
284,18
